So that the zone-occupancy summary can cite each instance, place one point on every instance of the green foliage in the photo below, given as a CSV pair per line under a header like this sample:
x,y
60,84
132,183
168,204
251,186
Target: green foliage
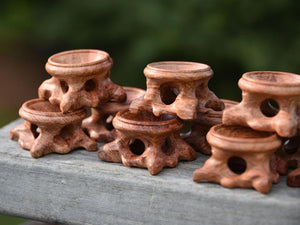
x,y
8,220
231,36
6,115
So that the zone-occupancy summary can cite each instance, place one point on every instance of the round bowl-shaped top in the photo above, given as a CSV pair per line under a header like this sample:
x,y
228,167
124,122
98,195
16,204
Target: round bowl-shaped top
x,y
178,70
78,58
271,82
146,122
242,139
78,62
39,111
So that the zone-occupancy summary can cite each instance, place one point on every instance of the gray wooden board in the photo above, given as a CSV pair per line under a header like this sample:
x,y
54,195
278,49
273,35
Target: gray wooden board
x,y
78,188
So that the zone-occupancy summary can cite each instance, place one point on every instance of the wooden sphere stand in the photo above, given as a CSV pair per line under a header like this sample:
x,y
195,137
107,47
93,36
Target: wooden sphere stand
x,y
147,124
258,88
46,129
146,141
177,88
241,157
80,78
288,157
200,126
99,126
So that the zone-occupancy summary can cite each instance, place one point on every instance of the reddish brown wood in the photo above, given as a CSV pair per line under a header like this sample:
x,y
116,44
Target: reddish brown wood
x,y
293,178
80,78
288,157
178,88
99,124
146,141
201,125
260,86
240,158
47,130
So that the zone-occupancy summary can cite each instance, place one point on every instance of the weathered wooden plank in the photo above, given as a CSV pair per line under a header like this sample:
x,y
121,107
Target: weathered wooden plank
x,y
78,188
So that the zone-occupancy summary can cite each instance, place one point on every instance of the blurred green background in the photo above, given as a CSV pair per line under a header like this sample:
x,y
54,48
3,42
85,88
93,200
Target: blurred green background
x,y
231,36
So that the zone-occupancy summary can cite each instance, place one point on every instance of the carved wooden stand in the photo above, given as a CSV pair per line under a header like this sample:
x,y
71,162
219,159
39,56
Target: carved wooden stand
x,y
47,130
259,88
178,88
288,157
80,78
144,140
240,158
99,124
202,124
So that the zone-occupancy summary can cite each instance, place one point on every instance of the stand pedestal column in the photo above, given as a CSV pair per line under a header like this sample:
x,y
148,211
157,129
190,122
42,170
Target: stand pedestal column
x,y
271,102
178,88
80,78
47,130
288,157
241,157
99,124
201,125
146,141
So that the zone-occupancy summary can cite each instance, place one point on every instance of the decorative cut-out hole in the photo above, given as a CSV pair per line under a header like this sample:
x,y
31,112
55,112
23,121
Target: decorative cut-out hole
x,y
86,132
35,130
137,147
108,123
269,107
89,85
66,132
237,164
165,117
64,86
168,93
186,130
165,147
291,145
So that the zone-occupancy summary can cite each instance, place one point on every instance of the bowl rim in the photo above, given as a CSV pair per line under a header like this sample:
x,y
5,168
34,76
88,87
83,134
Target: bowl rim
x,y
51,59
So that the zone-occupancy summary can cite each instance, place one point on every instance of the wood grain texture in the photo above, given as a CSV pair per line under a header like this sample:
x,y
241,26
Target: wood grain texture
x,y
241,157
99,124
78,188
201,125
48,130
146,141
80,78
178,88
260,87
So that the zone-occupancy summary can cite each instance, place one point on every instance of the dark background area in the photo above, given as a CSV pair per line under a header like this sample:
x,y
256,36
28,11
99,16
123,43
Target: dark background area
x,y
231,36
